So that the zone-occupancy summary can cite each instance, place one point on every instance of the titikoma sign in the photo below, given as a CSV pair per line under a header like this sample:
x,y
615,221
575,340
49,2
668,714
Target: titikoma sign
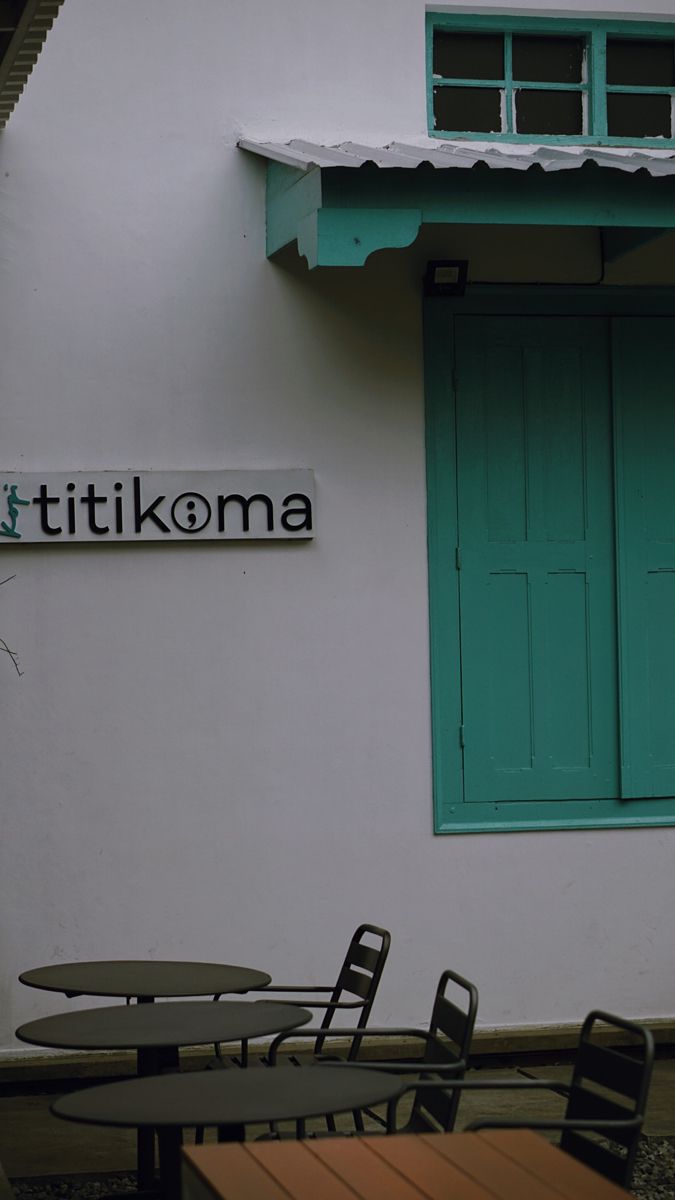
x,y
155,506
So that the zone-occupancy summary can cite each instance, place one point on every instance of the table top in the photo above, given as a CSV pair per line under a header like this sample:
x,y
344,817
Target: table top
x,y
173,1023
491,1165
144,977
235,1097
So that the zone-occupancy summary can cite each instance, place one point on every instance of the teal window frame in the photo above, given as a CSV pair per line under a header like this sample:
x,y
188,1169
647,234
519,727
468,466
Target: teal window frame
x,y
452,814
594,86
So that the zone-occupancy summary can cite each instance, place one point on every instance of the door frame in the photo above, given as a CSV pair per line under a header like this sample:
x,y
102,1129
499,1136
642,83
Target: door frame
x,y
451,814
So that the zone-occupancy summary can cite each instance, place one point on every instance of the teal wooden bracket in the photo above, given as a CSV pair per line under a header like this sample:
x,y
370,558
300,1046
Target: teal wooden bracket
x,y
330,235
344,237
339,216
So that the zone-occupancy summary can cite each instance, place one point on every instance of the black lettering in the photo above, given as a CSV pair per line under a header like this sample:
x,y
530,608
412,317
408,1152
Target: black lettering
x,y
71,508
43,500
195,510
304,513
91,500
119,524
140,517
245,510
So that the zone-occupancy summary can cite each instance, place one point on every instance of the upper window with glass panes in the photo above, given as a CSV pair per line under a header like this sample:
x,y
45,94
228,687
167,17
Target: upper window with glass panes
x,y
546,80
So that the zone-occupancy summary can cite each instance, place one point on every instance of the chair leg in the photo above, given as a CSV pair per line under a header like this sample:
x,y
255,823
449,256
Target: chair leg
x,y
231,1133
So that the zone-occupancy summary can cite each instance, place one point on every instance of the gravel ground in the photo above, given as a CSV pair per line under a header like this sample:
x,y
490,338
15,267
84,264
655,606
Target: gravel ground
x,y
72,1187
654,1179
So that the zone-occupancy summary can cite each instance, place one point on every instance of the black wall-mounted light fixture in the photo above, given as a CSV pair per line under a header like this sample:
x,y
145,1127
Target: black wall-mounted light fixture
x,y
446,277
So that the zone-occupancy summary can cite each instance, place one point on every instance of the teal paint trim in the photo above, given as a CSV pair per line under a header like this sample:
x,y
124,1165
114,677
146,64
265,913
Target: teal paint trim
x,y
446,708
470,83
451,814
605,814
537,87
346,237
647,554
546,139
340,216
308,239
594,30
634,90
341,237
579,197
301,207
292,196
583,25
632,697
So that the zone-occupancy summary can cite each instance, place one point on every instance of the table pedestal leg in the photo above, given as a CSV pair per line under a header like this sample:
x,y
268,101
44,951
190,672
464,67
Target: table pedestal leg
x,y
151,1062
145,1138
145,1156
169,1141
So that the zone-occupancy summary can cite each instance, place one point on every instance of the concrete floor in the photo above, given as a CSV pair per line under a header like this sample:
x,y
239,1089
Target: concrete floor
x,y
34,1143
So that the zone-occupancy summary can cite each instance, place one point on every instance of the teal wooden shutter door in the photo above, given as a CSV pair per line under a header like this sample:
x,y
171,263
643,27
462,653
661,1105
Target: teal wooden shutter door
x,y
536,559
644,400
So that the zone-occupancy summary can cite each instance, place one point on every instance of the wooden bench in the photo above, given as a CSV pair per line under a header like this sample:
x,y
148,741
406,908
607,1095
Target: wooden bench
x,y
492,1164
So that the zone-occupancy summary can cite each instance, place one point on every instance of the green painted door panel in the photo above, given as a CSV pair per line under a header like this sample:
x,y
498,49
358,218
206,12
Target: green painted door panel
x,y
644,401
536,559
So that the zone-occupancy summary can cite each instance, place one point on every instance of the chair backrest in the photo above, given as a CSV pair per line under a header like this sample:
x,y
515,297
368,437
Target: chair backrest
x,y
609,1084
453,1020
358,979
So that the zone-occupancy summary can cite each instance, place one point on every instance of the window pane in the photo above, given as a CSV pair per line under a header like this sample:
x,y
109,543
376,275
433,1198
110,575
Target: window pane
x,y
548,59
641,63
468,55
470,110
638,116
548,112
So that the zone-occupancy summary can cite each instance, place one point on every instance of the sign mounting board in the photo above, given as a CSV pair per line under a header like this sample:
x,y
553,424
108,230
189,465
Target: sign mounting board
x,y
155,506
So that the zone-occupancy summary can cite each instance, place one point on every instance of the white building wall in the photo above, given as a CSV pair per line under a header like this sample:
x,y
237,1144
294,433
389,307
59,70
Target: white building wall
x,y
223,751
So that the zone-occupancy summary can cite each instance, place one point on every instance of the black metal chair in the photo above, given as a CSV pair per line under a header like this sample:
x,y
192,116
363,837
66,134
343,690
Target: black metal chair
x,y
358,978
447,1042
606,1097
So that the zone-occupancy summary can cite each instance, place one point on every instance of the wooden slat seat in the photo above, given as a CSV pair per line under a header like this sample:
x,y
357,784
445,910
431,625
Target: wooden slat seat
x,y
495,1165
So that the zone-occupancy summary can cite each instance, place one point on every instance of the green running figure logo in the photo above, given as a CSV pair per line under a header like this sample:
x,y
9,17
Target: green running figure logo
x,y
13,512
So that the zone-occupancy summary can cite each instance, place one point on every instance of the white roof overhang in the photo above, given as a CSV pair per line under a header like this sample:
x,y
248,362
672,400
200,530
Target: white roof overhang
x,y
24,25
340,203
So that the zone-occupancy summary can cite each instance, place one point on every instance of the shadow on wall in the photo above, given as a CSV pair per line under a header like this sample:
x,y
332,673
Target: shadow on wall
x,y
502,254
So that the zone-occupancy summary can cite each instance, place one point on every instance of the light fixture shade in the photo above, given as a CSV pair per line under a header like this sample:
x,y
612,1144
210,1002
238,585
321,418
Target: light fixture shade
x,y
446,277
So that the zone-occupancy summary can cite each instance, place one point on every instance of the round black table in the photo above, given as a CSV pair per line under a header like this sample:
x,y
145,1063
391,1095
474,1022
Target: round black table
x,y
144,979
230,1099
156,1031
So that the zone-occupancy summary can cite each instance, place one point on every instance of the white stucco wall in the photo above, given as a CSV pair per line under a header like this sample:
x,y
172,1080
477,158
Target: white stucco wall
x,y
223,752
